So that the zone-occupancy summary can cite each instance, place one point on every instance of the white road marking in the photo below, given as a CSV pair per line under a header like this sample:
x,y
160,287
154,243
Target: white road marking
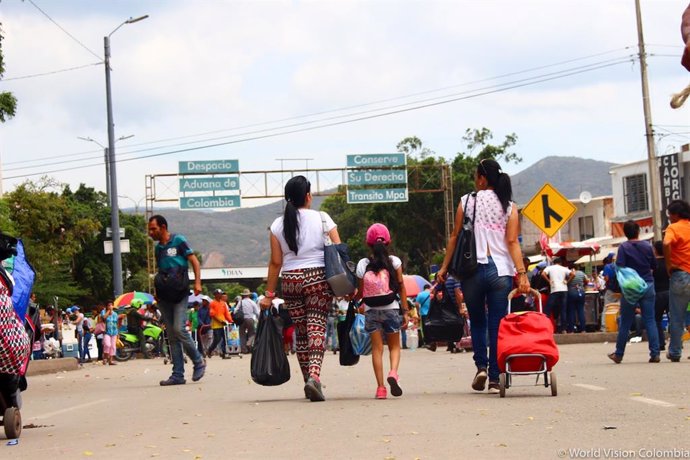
x,y
653,402
589,387
69,409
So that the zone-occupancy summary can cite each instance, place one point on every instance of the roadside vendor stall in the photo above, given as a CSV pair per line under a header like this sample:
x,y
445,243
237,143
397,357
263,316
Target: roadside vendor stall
x,y
579,252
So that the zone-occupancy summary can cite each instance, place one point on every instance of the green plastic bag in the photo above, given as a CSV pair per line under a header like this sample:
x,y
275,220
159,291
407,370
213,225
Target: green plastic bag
x,y
632,285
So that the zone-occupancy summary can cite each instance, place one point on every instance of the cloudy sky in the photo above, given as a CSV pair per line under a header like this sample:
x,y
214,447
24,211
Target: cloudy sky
x,y
260,81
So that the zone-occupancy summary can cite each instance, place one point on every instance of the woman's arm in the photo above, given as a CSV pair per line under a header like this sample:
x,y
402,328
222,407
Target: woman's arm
x,y
512,232
275,263
452,242
334,235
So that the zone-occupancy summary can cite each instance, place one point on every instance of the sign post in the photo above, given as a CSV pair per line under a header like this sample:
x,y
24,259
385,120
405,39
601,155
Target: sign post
x,y
549,210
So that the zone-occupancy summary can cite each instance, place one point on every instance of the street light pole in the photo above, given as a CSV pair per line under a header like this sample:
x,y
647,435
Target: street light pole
x,y
107,161
114,207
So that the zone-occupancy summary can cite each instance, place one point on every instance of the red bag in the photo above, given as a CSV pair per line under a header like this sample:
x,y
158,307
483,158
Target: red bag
x,y
526,332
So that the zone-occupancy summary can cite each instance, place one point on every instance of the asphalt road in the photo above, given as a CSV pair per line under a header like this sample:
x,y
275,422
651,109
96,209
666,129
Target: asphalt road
x,y
603,410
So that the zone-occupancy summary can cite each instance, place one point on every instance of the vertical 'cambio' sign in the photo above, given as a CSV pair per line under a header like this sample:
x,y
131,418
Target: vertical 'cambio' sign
x,y
671,183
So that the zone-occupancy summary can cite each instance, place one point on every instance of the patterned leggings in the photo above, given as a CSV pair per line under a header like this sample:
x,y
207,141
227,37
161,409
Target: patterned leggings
x,y
307,299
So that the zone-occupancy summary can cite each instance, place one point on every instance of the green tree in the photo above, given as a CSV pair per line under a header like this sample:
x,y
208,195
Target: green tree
x,y
418,226
8,103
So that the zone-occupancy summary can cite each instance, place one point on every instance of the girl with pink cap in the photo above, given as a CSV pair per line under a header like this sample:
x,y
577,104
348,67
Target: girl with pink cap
x,y
381,288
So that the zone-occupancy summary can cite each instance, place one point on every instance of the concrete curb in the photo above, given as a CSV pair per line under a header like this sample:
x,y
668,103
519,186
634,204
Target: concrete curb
x,y
52,366
585,337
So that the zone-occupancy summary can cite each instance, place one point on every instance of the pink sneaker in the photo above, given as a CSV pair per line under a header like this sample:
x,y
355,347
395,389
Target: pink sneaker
x,y
393,382
381,393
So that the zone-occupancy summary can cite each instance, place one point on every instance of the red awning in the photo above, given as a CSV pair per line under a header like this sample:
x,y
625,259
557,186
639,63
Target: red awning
x,y
572,250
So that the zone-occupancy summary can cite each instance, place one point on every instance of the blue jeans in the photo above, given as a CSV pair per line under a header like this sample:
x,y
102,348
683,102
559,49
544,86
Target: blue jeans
x,y
576,306
647,306
679,297
486,296
557,304
84,349
174,318
332,332
80,344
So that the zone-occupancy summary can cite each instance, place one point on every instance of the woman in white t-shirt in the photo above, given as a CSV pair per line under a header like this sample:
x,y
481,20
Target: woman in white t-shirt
x,y
297,247
499,258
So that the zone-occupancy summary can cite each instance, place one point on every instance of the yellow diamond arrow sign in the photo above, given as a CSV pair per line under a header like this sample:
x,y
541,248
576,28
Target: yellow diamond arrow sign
x,y
549,210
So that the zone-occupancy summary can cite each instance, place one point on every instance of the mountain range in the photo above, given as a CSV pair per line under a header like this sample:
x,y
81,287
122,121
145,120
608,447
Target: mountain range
x,y
239,238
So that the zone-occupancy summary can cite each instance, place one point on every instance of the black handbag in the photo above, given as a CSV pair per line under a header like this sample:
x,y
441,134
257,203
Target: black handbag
x,y
443,323
347,355
463,264
269,364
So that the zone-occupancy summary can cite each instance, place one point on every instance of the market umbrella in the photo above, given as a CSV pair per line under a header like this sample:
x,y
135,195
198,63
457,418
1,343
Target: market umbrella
x,y
128,297
414,284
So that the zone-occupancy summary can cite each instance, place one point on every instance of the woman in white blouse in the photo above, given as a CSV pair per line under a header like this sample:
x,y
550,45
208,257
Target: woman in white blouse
x,y
496,229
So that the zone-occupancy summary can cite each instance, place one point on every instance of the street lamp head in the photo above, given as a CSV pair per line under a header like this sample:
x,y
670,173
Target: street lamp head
x,y
133,20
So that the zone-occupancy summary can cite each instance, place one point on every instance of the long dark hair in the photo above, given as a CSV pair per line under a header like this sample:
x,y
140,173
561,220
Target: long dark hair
x,y
296,191
380,260
497,179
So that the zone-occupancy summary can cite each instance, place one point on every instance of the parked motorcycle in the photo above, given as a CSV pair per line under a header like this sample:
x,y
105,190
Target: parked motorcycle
x,y
128,344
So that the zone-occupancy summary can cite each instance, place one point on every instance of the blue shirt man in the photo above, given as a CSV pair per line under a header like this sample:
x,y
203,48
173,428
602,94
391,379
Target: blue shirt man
x,y
424,300
173,253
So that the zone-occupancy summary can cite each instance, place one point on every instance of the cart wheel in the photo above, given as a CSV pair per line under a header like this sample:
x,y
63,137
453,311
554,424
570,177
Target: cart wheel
x,y
12,422
554,386
502,384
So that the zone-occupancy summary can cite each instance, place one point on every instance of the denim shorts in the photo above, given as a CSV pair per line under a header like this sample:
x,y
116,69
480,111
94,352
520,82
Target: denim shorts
x,y
387,320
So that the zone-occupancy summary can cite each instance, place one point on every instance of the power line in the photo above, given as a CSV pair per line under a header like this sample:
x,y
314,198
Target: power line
x,y
331,124
581,69
52,72
324,112
65,30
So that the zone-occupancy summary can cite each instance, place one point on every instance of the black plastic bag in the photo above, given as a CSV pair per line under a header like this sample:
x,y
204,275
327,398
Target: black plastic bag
x,y
443,323
347,355
269,364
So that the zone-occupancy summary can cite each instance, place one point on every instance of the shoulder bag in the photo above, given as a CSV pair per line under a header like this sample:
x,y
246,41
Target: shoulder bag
x,y
340,270
463,264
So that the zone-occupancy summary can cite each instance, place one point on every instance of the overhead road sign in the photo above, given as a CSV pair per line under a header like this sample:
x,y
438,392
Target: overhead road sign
x,y
376,160
209,167
549,210
210,184
210,202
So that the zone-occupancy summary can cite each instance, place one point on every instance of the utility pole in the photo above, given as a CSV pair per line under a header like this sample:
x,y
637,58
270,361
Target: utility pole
x,y
649,132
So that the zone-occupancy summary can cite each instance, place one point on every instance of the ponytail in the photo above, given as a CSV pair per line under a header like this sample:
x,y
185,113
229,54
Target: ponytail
x,y
380,260
504,190
296,191
498,180
290,226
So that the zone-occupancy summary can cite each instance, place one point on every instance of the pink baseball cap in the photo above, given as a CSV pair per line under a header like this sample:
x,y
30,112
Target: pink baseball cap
x,y
378,233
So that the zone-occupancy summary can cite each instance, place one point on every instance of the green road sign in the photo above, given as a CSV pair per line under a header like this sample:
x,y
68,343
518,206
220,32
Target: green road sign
x,y
376,160
210,184
388,195
209,202
209,167
377,176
